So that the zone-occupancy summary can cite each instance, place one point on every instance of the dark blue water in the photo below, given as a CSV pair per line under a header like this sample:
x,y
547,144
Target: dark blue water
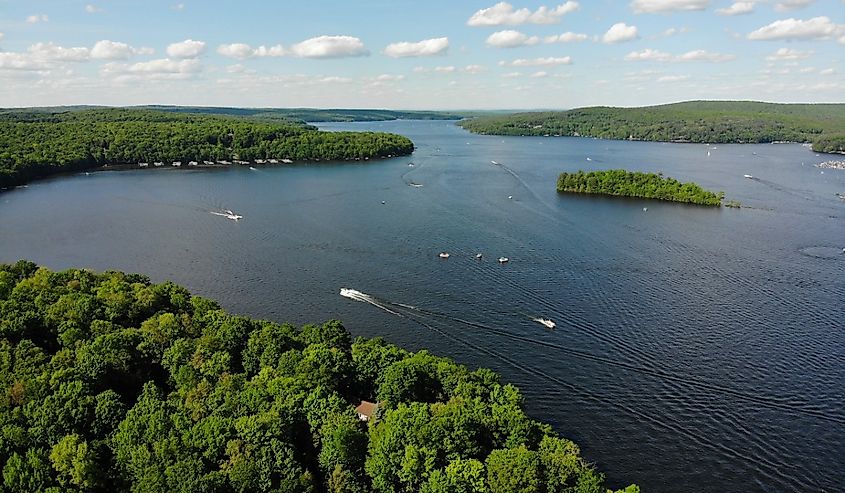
x,y
696,349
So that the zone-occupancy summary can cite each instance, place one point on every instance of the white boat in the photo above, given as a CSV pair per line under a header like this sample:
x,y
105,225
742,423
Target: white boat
x,y
158,164
478,256
287,161
748,176
510,196
444,255
143,165
177,163
645,209
503,260
252,168
208,163
494,162
549,323
589,159
228,214
192,163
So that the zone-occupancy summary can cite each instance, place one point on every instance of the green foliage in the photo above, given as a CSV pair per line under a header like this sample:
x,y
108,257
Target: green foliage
x,y
694,121
623,183
34,144
111,383
832,143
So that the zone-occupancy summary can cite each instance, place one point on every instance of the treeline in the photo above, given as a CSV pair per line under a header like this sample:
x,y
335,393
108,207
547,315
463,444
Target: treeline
x,y
619,182
316,115
112,383
697,121
39,143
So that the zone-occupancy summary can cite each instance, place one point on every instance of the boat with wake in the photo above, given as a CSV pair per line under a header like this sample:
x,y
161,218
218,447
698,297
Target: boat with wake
x,y
547,322
228,214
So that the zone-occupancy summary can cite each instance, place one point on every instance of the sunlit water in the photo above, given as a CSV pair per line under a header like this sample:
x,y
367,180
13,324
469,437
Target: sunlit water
x,y
696,349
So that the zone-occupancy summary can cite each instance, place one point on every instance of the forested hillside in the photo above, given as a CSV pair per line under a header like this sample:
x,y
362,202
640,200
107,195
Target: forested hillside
x,y
697,121
36,143
111,383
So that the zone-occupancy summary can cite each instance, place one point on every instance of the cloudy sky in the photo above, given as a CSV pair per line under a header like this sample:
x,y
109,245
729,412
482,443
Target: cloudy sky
x,y
437,54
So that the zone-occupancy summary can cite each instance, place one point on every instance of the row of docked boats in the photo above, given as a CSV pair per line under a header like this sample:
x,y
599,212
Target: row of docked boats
x,y
221,162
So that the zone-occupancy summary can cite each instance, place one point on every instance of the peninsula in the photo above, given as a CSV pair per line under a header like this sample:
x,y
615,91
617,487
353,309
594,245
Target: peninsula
x,y
740,122
112,383
35,143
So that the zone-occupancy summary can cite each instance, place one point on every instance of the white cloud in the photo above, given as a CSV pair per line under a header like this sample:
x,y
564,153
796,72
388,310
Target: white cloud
x,y
161,69
52,52
787,5
330,47
503,14
511,39
827,71
114,50
648,55
426,47
704,56
445,70
567,37
35,18
788,54
672,78
92,9
664,6
20,61
540,62
178,7
186,49
390,78
620,32
473,69
512,75
737,8
240,51
815,28
539,75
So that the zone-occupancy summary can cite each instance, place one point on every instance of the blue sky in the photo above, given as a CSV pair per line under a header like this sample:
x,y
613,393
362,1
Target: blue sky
x,y
436,54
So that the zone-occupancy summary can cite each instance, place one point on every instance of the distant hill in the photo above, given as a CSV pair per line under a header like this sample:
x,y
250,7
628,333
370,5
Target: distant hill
x,y
694,121
313,114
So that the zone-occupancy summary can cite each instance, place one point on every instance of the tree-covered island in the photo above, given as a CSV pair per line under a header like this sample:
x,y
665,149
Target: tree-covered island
x,y
111,383
621,183
740,122
38,143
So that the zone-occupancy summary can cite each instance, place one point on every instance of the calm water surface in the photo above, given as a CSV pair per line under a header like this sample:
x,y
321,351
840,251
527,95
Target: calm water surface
x,y
696,349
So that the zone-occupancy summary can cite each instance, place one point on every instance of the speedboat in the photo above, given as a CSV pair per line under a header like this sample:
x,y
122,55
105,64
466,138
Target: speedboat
x,y
748,176
444,255
478,256
494,162
549,323
503,260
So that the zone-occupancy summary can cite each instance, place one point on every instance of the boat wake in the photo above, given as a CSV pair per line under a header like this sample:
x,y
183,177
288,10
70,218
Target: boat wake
x,y
356,295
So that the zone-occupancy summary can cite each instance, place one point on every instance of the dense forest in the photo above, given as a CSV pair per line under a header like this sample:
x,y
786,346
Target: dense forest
x,y
36,143
696,121
619,182
112,383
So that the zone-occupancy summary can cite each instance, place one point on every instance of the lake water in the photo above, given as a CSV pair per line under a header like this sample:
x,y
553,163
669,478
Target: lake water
x,y
696,349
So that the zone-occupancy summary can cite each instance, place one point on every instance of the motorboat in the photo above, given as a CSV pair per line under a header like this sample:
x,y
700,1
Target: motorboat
x,y
503,260
478,256
444,255
547,322
228,214
748,176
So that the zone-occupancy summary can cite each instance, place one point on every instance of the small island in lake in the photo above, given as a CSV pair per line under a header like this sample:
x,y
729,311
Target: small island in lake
x,y
622,183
